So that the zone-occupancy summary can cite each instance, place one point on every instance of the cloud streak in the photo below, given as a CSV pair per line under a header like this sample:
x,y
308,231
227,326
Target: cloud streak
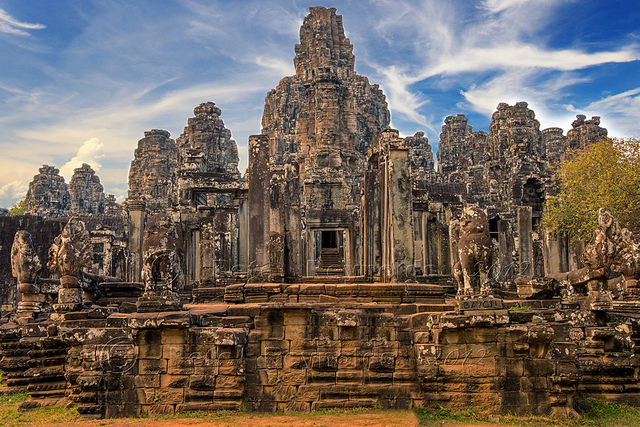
x,y
10,25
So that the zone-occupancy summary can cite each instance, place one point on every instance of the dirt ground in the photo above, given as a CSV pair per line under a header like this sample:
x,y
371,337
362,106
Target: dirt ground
x,y
382,419
404,419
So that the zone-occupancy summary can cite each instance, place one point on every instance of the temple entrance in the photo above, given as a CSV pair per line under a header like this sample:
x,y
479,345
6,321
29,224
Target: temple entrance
x,y
533,195
330,252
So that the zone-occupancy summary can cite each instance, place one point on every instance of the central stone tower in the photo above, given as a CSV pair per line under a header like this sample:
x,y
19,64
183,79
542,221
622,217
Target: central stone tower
x,y
317,128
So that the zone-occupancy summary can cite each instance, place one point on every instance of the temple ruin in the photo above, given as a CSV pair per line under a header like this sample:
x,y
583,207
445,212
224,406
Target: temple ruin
x,y
342,269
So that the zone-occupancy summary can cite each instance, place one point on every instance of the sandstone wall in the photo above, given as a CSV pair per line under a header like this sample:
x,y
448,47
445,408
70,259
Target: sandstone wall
x,y
304,354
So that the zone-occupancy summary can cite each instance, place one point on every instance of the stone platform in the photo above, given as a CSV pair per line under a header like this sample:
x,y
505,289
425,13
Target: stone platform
x,y
308,347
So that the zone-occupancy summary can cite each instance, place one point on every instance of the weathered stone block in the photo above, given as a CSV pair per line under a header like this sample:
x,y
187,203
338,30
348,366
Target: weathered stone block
x,y
174,336
202,382
147,380
174,381
229,381
230,337
172,395
152,366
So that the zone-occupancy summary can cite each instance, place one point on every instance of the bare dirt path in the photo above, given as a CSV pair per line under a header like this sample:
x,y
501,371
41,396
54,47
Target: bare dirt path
x,y
381,419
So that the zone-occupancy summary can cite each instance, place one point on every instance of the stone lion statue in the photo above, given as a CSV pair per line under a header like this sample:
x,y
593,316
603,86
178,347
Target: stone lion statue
x,y
475,250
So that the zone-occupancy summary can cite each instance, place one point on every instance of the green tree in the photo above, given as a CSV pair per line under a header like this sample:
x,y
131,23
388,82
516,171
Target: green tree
x,y
606,174
18,208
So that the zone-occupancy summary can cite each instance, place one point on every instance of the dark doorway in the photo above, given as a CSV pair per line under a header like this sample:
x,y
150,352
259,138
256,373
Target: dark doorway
x,y
330,252
329,240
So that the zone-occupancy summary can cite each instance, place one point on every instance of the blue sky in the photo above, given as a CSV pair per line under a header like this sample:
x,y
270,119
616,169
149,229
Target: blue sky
x,y
82,80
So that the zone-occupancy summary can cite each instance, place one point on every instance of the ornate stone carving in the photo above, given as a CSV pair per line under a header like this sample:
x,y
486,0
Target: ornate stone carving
x,y
161,271
606,245
475,250
70,253
616,248
25,266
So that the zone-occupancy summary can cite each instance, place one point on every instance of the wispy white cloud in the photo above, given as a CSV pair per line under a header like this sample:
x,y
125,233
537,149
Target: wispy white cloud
x,y
401,100
497,6
447,47
10,25
90,152
619,111
280,66
12,192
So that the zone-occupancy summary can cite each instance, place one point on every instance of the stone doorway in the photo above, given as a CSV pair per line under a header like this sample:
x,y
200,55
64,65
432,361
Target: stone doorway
x,y
330,252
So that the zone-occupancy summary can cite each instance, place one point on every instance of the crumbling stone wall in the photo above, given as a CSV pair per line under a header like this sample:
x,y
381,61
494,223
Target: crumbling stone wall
x,y
408,349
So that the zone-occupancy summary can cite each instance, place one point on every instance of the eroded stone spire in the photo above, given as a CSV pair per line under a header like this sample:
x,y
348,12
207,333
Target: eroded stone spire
x,y
324,52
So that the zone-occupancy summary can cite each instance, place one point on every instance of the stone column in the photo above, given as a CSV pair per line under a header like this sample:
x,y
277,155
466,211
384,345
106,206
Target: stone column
x,y
136,230
293,248
243,235
371,247
505,250
525,226
399,187
258,203
277,196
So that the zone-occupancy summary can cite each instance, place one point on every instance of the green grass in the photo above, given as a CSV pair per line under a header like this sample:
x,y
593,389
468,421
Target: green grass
x,y
602,413
594,413
435,414
11,417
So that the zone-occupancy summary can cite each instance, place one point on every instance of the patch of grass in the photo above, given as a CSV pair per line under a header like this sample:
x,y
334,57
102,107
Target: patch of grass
x,y
436,414
601,413
204,415
12,399
594,413
517,306
11,417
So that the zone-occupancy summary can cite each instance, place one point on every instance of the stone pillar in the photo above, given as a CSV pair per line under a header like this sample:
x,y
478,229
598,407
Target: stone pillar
x,y
293,249
505,251
258,203
401,227
418,242
371,247
136,230
525,226
444,259
243,235
277,198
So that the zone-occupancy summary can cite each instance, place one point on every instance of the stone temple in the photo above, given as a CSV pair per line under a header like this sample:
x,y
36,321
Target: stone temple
x,y
343,269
